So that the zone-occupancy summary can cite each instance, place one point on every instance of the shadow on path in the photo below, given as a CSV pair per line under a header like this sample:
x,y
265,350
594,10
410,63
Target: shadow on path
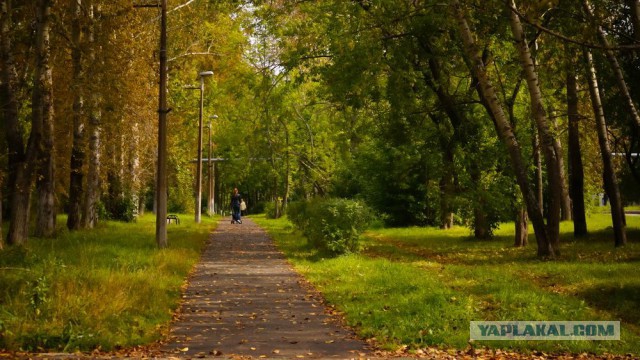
x,y
243,298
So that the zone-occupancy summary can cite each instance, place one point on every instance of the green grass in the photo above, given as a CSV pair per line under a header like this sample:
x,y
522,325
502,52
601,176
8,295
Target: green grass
x,y
422,286
105,288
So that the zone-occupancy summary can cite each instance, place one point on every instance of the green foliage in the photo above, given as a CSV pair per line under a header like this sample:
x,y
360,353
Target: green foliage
x,y
398,182
418,287
109,287
121,208
332,224
270,209
297,213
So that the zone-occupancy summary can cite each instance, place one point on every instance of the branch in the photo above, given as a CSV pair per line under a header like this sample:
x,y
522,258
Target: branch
x,y
568,39
310,57
192,53
180,6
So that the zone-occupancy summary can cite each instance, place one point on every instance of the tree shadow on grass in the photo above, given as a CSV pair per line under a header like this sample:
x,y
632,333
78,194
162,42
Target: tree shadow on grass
x,y
622,301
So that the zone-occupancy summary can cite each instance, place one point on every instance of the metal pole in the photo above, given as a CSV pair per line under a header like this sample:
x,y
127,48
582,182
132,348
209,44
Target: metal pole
x,y
199,165
161,188
210,193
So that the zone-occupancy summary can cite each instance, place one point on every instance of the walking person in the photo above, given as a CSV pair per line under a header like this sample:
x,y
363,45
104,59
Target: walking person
x,y
236,199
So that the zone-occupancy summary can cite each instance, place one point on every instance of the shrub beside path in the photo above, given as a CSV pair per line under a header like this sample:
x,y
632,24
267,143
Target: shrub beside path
x,y
244,299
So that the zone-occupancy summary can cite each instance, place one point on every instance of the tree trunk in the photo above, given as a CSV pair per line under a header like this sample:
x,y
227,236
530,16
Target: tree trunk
x,y
287,175
76,173
537,160
503,128
634,5
141,203
565,200
1,238
278,199
576,170
45,184
13,130
615,66
92,194
446,190
609,174
522,228
21,162
546,137
481,228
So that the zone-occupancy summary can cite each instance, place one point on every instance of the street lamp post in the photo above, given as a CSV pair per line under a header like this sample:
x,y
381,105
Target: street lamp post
x,y
161,171
201,76
210,202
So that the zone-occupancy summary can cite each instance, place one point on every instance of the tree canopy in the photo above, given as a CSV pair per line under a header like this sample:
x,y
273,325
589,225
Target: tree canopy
x,y
463,112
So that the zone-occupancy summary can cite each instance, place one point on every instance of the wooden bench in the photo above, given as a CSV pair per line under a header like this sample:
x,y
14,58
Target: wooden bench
x,y
175,219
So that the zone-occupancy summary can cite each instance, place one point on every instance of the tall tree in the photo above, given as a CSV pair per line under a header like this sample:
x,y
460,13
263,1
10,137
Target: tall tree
x,y
547,140
43,103
490,99
576,169
92,193
7,93
609,174
614,63
76,171
22,161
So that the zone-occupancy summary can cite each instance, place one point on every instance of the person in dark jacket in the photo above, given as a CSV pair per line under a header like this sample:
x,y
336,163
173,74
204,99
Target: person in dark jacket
x,y
236,199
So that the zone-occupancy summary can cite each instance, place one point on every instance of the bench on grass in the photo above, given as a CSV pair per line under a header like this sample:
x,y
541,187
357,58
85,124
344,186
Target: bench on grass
x,y
175,219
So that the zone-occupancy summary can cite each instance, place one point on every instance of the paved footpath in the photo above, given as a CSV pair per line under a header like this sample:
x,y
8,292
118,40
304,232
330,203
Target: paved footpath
x,y
244,299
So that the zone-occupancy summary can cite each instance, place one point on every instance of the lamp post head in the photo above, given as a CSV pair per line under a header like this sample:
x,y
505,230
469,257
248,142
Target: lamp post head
x,y
205,73
213,117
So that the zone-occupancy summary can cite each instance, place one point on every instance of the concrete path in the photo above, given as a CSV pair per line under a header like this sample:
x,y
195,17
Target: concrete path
x,y
245,300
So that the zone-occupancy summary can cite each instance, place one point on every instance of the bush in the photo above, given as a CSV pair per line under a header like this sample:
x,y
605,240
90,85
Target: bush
x,y
270,210
121,208
296,212
334,225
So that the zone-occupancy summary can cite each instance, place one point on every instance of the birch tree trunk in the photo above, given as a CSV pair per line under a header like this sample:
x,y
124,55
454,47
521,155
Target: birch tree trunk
x,y
503,129
92,194
45,184
76,173
537,160
609,174
522,228
551,157
576,170
615,65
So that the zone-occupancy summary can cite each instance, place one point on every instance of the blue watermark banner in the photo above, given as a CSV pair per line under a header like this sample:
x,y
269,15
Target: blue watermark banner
x,y
545,330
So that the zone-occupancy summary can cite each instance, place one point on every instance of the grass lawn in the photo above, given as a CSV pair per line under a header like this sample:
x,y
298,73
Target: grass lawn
x,y
104,288
420,287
